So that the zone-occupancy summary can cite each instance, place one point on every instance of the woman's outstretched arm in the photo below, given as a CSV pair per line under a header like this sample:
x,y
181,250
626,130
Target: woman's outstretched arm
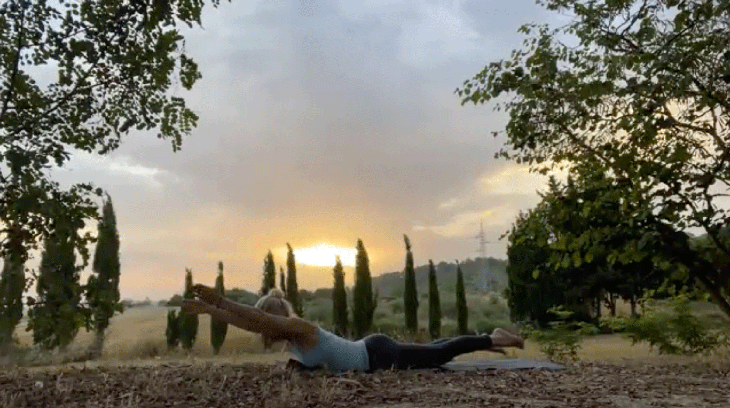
x,y
298,331
248,318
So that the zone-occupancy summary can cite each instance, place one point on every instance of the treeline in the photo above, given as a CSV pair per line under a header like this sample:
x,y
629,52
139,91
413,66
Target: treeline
x,y
575,249
63,304
362,309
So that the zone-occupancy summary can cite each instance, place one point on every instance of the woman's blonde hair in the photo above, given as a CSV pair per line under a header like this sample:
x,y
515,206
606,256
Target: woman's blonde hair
x,y
274,302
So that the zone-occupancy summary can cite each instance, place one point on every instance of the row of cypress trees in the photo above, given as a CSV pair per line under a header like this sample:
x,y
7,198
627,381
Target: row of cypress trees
x,y
434,303
364,302
182,328
410,298
287,283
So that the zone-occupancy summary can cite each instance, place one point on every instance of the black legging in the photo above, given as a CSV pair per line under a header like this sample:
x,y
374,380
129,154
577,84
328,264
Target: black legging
x,y
386,353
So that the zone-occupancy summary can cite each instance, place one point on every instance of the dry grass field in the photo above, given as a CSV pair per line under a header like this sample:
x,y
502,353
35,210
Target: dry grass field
x,y
136,370
138,335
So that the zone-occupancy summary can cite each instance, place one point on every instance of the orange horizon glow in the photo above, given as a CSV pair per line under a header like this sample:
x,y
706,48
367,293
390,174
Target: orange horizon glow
x,y
323,255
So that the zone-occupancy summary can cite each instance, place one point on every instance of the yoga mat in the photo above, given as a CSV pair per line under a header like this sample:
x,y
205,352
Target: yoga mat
x,y
474,365
513,364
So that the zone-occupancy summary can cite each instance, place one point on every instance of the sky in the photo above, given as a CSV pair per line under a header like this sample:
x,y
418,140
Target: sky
x,y
321,122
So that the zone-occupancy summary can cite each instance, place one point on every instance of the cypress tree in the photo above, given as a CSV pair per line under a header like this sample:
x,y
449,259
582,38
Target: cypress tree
x,y
173,329
410,293
364,302
292,291
434,303
218,329
54,319
12,284
103,284
339,300
282,279
461,310
269,281
188,322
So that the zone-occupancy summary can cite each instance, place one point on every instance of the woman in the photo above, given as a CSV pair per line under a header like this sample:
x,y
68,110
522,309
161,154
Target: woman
x,y
315,347
273,303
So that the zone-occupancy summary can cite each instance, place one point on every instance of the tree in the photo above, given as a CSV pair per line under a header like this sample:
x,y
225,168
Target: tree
x,y
434,303
12,284
364,302
462,312
339,300
292,291
188,322
218,328
103,284
641,99
115,64
282,279
269,280
172,332
530,294
54,316
410,292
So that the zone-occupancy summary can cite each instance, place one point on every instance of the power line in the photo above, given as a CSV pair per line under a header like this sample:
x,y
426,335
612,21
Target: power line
x,y
482,241
488,278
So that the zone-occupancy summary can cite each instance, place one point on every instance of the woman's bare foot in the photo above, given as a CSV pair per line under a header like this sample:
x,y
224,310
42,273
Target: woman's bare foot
x,y
194,306
503,338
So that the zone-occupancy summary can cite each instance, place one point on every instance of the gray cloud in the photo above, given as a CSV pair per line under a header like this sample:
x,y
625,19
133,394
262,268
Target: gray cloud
x,y
316,116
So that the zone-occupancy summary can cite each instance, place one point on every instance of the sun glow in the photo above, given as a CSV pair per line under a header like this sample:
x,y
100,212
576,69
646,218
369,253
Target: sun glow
x,y
324,255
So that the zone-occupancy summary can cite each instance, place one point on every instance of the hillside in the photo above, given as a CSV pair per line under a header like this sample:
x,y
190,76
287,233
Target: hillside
x,y
477,273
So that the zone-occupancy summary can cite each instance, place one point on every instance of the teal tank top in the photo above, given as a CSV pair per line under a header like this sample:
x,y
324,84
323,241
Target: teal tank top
x,y
334,353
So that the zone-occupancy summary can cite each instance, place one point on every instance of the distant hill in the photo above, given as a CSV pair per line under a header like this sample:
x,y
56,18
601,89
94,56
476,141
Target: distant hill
x,y
242,296
477,274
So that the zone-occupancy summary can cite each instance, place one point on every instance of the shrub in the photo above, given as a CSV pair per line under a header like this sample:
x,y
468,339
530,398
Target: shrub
x,y
670,331
561,341
173,330
319,310
188,321
449,328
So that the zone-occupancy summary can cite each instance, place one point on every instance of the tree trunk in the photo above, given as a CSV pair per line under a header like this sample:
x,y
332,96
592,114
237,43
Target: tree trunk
x,y
611,303
12,284
633,306
97,346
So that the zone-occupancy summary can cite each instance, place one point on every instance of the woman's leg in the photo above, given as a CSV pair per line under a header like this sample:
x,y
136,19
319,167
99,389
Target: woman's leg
x,y
385,352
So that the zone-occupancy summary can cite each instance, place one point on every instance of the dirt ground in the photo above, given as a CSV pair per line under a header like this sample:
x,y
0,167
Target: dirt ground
x,y
251,385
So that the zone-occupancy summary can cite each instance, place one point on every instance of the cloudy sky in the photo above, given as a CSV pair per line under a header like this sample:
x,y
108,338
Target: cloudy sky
x,y
321,122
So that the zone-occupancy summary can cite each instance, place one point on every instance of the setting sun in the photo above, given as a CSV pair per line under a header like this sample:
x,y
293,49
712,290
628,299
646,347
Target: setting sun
x,y
324,255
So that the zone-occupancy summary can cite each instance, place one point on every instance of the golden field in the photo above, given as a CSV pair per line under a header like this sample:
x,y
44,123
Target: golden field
x,y
138,337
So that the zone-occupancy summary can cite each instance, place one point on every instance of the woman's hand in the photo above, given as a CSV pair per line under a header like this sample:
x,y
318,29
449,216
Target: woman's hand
x,y
207,294
195,306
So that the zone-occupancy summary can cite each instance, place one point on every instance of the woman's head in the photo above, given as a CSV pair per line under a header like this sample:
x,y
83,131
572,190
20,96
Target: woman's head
x,y
275,303
276,292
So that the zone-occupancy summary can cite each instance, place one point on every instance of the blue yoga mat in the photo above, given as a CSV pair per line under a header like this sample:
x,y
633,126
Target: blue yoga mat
x,y
513,364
